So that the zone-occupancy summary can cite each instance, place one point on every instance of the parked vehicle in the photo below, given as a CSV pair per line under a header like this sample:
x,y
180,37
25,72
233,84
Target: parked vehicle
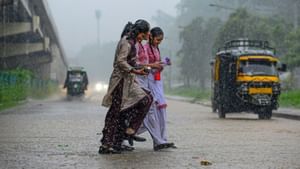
x,y
245,77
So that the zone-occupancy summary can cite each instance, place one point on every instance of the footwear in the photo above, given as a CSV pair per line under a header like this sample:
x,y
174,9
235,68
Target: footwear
x,y
127,148
138,138
164,146
158,147
169,145
129,138
108,150
173,147
124,148
134,138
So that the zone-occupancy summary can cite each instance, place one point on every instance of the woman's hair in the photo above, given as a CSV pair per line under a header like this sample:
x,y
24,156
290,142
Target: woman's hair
x,y
140,26
127,29
155,32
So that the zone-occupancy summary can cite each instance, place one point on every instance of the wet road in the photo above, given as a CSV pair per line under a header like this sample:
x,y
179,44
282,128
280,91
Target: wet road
x,y
64,134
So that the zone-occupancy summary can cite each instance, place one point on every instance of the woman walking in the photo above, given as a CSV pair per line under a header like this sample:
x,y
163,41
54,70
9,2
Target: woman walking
x,y
128,103
155,120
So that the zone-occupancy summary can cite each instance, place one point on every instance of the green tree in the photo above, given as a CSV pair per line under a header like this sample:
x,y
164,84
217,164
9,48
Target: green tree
x,y
242,24
292,57
197,41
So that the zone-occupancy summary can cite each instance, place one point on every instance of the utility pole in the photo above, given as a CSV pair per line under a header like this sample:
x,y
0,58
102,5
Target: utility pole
x,y
98,16
296,14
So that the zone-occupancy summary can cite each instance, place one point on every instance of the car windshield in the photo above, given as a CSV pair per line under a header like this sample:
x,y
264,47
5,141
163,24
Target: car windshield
x,y
258,68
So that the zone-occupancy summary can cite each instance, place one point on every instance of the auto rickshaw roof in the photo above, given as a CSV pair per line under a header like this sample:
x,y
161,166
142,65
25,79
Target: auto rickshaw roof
x,y
247,47
76,69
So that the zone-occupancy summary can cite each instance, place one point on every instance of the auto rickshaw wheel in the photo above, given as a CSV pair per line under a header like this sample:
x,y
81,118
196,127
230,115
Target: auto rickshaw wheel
x,y
264,113
214,107
221,111
268,113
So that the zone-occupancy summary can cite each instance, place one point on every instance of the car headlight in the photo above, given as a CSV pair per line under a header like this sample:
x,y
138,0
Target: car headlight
x,y
99,87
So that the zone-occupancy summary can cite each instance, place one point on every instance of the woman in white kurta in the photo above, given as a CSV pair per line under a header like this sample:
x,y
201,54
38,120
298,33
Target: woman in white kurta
x,y
155,120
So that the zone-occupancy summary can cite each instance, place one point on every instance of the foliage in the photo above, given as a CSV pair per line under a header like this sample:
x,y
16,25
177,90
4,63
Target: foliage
x,y
292,57
283,37
195,53
287,9
290,99
191,92
14,85
17,85
242,24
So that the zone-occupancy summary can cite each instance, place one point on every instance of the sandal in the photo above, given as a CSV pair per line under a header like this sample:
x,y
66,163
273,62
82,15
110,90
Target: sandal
x,y
138,138
129,138
164,146
158,147
169,145
124,148
108,150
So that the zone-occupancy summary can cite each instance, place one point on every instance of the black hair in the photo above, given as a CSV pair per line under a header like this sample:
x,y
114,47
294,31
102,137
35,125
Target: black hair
x,y
155,32
127,29
140,26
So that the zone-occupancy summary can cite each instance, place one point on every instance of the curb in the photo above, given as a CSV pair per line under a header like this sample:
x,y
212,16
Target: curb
x,y
206,104
286,116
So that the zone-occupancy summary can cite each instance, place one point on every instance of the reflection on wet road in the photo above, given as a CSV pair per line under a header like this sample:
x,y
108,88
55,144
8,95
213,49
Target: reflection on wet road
x,y
65,134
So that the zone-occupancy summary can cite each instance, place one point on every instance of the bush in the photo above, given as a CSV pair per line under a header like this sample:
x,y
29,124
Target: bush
x,y
17,85
14,85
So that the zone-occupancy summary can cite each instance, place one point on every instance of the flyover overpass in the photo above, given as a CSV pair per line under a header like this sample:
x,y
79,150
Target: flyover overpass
x,y
29,39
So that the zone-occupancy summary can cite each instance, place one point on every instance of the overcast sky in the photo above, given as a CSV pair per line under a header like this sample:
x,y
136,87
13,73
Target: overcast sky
x,y
76,21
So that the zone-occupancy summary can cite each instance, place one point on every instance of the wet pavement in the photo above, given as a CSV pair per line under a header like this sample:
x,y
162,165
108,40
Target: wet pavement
x,y
283,112
65,134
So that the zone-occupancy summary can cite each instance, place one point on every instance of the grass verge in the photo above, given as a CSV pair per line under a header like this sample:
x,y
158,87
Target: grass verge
x,y
191,92
287,98
290,99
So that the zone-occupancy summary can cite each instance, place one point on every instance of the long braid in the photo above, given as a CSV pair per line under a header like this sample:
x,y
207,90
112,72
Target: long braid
x,y
127,29
151,42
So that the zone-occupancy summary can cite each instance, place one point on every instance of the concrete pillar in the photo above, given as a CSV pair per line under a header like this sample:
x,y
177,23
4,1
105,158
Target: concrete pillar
x,y
41,71
58,69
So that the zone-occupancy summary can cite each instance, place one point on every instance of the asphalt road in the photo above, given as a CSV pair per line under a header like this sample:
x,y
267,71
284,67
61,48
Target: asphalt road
x,y
65,134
